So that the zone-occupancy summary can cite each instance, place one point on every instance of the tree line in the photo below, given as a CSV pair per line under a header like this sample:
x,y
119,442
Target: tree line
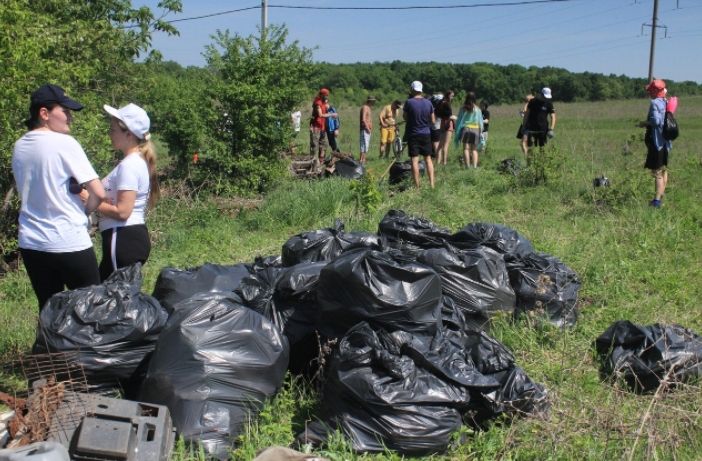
x,y
499,84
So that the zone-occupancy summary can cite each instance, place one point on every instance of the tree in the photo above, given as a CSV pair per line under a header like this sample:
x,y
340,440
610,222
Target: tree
x,y
260,80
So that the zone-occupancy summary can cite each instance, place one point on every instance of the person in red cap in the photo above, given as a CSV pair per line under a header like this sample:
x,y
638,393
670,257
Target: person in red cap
x,y
318,136
658,147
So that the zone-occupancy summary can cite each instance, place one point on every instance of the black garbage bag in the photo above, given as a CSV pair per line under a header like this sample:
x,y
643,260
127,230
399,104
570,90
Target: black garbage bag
x,y
517,395
349,168
174,285
261,263
295,298
256,291
644,356
113,326
381,400
511,166
411,234
325,244
402,171
366,285
506,241
543,283
476,280
214,366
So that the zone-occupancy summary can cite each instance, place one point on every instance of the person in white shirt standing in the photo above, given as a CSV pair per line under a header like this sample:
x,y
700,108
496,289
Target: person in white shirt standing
x,y
130,188
51,169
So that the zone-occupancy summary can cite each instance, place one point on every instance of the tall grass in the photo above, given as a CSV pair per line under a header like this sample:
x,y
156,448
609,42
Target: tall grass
x,y
635,263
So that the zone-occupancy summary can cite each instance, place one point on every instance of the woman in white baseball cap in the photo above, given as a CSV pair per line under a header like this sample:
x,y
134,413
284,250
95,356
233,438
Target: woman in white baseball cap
x,y
129,189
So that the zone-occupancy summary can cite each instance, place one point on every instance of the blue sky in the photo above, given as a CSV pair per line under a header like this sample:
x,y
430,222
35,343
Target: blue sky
x,y
603,36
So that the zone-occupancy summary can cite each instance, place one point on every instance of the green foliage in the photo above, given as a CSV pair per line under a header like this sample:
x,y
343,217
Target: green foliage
x,y
260,79
368,196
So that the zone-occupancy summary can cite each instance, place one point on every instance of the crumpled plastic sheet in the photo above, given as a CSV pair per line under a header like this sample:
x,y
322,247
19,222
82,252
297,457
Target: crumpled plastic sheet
x,y
349,168
366,285
545,284
113,325
645,355
325,244
502,239
476,280
214,366
411,234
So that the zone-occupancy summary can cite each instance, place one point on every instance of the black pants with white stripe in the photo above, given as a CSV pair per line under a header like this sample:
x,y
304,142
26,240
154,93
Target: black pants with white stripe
x,y
123,246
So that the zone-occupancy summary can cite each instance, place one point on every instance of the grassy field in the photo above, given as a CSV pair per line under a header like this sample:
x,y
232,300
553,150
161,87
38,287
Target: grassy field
x,y
635,263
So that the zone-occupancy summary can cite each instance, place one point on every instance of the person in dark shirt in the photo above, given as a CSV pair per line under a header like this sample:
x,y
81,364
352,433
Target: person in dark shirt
x,y
419,115
486,118
536,122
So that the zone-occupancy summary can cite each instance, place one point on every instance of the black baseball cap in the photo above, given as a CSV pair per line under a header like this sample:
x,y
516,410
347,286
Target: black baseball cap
x,y
54,94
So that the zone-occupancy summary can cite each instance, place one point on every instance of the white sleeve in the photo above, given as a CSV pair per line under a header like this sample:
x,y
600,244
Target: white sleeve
x,y
76,161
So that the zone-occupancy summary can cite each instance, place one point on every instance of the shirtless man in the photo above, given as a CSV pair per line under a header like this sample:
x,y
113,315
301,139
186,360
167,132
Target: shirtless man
x,y
366,127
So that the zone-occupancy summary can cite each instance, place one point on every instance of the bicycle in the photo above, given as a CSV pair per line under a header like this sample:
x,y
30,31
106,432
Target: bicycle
x,y
397,145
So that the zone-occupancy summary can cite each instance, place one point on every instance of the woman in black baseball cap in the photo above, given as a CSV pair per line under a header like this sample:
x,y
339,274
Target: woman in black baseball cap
x,y
50,169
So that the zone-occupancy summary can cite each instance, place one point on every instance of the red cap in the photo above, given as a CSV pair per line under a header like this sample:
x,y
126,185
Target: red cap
x,y
324,92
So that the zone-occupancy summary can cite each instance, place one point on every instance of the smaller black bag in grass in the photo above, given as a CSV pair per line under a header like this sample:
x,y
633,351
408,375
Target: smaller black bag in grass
x,y
325,244
411,234
214,366
382,400
349,168
644,356
401,171
113,326
174,285
476,280
366,285
543,283
511,166
502,239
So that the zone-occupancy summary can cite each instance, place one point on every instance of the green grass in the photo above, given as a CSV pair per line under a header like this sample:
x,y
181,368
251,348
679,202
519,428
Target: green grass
x,y
635,263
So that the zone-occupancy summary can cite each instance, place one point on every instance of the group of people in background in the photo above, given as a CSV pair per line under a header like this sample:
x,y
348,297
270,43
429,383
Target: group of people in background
x,y
59,189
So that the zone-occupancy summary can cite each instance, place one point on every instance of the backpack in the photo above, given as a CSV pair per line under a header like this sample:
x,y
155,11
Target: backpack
x,y
670,127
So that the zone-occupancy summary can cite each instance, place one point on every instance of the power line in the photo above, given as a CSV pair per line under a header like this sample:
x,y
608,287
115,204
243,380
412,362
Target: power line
x,y
375,8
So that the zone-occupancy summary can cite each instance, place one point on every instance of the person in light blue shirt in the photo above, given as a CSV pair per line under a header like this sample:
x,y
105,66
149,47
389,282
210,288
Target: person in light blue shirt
x,y
469,128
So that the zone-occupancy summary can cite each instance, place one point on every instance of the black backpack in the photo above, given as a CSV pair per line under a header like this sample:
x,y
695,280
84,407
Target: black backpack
x,y
670,127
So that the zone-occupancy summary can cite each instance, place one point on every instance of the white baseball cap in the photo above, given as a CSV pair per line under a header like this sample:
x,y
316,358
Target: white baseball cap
x,y
134,117
546,92
416,86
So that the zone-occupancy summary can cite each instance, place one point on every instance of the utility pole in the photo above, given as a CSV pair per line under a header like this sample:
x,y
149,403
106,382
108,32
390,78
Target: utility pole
x,y
654,26
264,14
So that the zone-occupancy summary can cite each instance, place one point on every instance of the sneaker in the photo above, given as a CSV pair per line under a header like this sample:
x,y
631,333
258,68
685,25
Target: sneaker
x,y
655,203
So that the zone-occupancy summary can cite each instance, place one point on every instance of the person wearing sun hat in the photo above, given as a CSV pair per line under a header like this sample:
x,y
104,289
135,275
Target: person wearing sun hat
x,y
50,169
658,146
130,189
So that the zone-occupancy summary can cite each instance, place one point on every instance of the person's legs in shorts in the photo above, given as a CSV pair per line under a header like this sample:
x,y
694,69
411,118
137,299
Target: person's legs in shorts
x,y
387,136
364,139
470,137
50,272
421,145
657,162
525,140
435,138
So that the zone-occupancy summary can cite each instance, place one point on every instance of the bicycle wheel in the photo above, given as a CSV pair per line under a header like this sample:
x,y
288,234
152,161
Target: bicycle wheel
x,y
397,148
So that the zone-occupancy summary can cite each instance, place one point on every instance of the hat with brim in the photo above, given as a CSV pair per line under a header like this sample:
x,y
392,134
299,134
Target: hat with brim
x,y
398,103
133,117
370,99
53,94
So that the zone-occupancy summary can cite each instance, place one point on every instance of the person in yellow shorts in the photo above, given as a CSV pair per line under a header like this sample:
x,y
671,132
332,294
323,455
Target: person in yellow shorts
x,y
387,126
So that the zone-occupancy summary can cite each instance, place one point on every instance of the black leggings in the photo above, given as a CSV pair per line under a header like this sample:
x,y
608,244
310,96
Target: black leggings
x,y
50,272
332,142
122,247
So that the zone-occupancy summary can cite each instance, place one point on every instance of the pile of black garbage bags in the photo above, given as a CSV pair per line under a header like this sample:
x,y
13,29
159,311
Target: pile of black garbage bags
x,y
406,312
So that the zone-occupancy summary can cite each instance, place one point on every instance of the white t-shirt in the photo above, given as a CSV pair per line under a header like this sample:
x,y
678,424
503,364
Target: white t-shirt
x,y
296,117
52,219
132,173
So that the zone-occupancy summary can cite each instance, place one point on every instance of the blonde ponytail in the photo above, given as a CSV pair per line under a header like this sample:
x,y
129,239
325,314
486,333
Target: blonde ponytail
x,y
148,153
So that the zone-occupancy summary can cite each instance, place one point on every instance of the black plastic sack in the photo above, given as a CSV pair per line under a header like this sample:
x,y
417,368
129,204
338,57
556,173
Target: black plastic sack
x,y
295,298
401,171
366,285
511,166
644,356
476,280
325,244
256,291
381,400
214,366
543,283
174,285
113,326
502,239
411,234
349,168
